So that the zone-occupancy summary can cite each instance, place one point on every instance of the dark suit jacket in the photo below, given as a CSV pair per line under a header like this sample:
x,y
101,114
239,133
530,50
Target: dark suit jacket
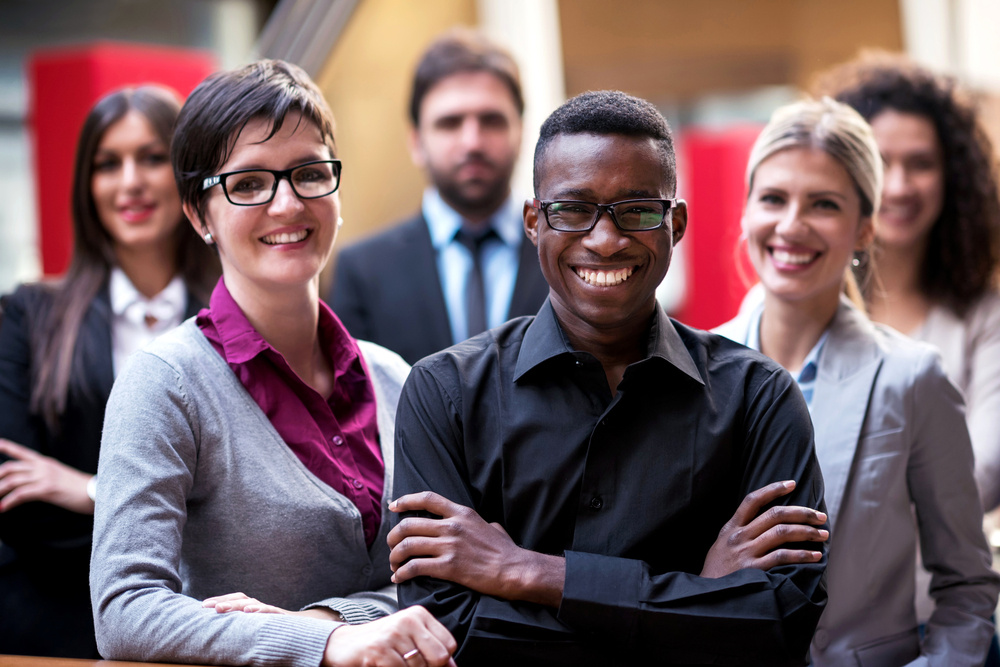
x,y
387,290
45,550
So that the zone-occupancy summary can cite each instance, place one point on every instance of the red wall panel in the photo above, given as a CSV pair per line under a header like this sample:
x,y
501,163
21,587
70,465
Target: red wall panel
x,y
718,270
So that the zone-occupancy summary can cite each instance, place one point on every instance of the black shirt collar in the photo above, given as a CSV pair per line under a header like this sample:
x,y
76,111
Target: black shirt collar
x,y
545,339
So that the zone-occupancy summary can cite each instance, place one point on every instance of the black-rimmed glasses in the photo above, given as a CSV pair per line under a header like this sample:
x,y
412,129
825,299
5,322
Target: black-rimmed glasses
x,y
630,215
253,187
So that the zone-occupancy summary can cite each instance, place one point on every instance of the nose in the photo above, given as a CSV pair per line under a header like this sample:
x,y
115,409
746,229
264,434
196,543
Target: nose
x,y
896,180
285,203
790,221
605,238
472,133
131,175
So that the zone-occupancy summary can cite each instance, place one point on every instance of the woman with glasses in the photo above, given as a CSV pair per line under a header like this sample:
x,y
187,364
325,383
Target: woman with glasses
x,y
137,270
889,426
246,456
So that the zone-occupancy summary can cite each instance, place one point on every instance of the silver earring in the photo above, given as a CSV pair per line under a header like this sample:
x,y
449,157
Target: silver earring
x,y
340,223
855,262
209,239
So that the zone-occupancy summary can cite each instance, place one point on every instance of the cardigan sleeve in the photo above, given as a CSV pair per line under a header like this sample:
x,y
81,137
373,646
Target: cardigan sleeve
x,y
147,468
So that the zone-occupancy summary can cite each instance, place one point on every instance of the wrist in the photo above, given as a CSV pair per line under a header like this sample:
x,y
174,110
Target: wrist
x,y
540,580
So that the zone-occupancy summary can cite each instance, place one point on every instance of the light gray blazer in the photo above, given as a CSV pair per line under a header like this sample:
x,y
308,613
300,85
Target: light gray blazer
x,y
892,442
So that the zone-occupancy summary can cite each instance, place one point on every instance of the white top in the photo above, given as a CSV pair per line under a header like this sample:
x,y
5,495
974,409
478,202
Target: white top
x,y
130,329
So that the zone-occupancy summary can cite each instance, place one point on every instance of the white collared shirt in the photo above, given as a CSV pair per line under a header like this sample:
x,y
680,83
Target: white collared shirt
x,y
129,328
499,260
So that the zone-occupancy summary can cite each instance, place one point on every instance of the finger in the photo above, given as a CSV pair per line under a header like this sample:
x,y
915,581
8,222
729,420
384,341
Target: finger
x,y
22,494
784,514
415,526
215,599
437,628
787,557
17,451
426,501
237,605
421,567
415,547
778,536
14,480
15,466
756,500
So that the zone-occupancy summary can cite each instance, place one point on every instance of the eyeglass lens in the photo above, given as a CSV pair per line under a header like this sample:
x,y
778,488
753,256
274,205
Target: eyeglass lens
x,y
630,215
309,181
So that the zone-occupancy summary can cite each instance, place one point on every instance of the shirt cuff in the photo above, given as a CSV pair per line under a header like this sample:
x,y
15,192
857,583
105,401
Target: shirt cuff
x,y
601,592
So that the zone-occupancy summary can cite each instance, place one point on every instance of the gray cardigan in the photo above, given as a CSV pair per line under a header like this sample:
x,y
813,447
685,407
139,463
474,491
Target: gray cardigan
x,y
200,496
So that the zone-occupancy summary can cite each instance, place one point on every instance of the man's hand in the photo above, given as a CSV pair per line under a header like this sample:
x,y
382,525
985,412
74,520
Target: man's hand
x,y
748,540
462,548
29,476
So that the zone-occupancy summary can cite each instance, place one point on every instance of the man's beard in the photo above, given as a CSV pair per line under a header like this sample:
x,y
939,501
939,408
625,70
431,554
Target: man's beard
x,y
474,198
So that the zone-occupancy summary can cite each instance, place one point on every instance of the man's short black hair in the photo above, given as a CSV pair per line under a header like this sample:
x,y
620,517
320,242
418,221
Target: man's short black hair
x,y
608,112
461,50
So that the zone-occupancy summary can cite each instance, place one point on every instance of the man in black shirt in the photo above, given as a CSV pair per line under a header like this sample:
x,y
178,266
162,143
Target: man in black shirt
x,y
569,472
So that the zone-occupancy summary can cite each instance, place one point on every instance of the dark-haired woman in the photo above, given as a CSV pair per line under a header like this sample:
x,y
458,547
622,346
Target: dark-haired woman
x,y
938,244
248,450
137,270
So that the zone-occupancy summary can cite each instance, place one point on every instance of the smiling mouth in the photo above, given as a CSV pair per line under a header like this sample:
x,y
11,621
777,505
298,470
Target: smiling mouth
x,y
793,258
604,278
287,237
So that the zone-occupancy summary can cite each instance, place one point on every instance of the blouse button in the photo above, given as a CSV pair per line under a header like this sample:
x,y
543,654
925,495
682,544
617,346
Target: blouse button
x,y
337,440
357,483
366,570
596,503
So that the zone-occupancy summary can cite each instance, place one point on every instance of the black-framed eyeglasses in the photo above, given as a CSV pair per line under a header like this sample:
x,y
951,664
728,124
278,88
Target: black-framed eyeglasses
x,y
629,215
253,187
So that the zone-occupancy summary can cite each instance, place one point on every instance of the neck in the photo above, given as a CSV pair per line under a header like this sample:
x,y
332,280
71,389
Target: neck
x,y
150,269
476,217
614,347
899,270
288,320
788,331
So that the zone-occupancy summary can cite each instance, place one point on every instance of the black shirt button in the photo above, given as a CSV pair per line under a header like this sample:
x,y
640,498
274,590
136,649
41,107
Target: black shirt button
x,y
596,503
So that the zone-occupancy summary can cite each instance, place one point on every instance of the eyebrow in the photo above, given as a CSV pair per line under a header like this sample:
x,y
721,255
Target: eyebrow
x,y
584,194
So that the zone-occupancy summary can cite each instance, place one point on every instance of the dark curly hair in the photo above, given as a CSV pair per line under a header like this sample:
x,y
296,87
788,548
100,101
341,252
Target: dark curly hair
x,y
608,112
963,250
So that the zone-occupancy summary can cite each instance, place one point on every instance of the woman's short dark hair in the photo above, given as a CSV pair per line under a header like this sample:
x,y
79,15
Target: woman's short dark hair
x,y
221,106
55,332
963,249
462,50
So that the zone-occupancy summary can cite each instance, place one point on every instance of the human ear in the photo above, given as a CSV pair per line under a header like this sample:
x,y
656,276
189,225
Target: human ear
x,y
866,233
417,154
679,220
530,215
200,227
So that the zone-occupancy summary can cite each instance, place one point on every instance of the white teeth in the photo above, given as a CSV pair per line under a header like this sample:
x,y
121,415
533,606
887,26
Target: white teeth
x,y
786,257
604,278
279,239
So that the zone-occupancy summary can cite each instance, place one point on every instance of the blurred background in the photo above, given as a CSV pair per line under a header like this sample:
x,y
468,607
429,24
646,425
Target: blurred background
x,y
716,69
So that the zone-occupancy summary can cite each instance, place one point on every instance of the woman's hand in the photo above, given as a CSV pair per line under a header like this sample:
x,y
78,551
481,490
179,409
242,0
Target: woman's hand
x,y
751,541
408,638
245,603
33,477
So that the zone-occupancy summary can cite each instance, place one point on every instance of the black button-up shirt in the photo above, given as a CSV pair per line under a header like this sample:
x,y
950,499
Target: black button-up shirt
x,y
633,489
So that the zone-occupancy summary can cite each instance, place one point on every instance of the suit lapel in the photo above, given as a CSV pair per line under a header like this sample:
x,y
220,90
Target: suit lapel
x,y
96,332
426,303
848,366
530,288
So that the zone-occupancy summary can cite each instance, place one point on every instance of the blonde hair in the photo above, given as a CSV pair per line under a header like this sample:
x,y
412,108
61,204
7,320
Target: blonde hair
x,y
840,132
